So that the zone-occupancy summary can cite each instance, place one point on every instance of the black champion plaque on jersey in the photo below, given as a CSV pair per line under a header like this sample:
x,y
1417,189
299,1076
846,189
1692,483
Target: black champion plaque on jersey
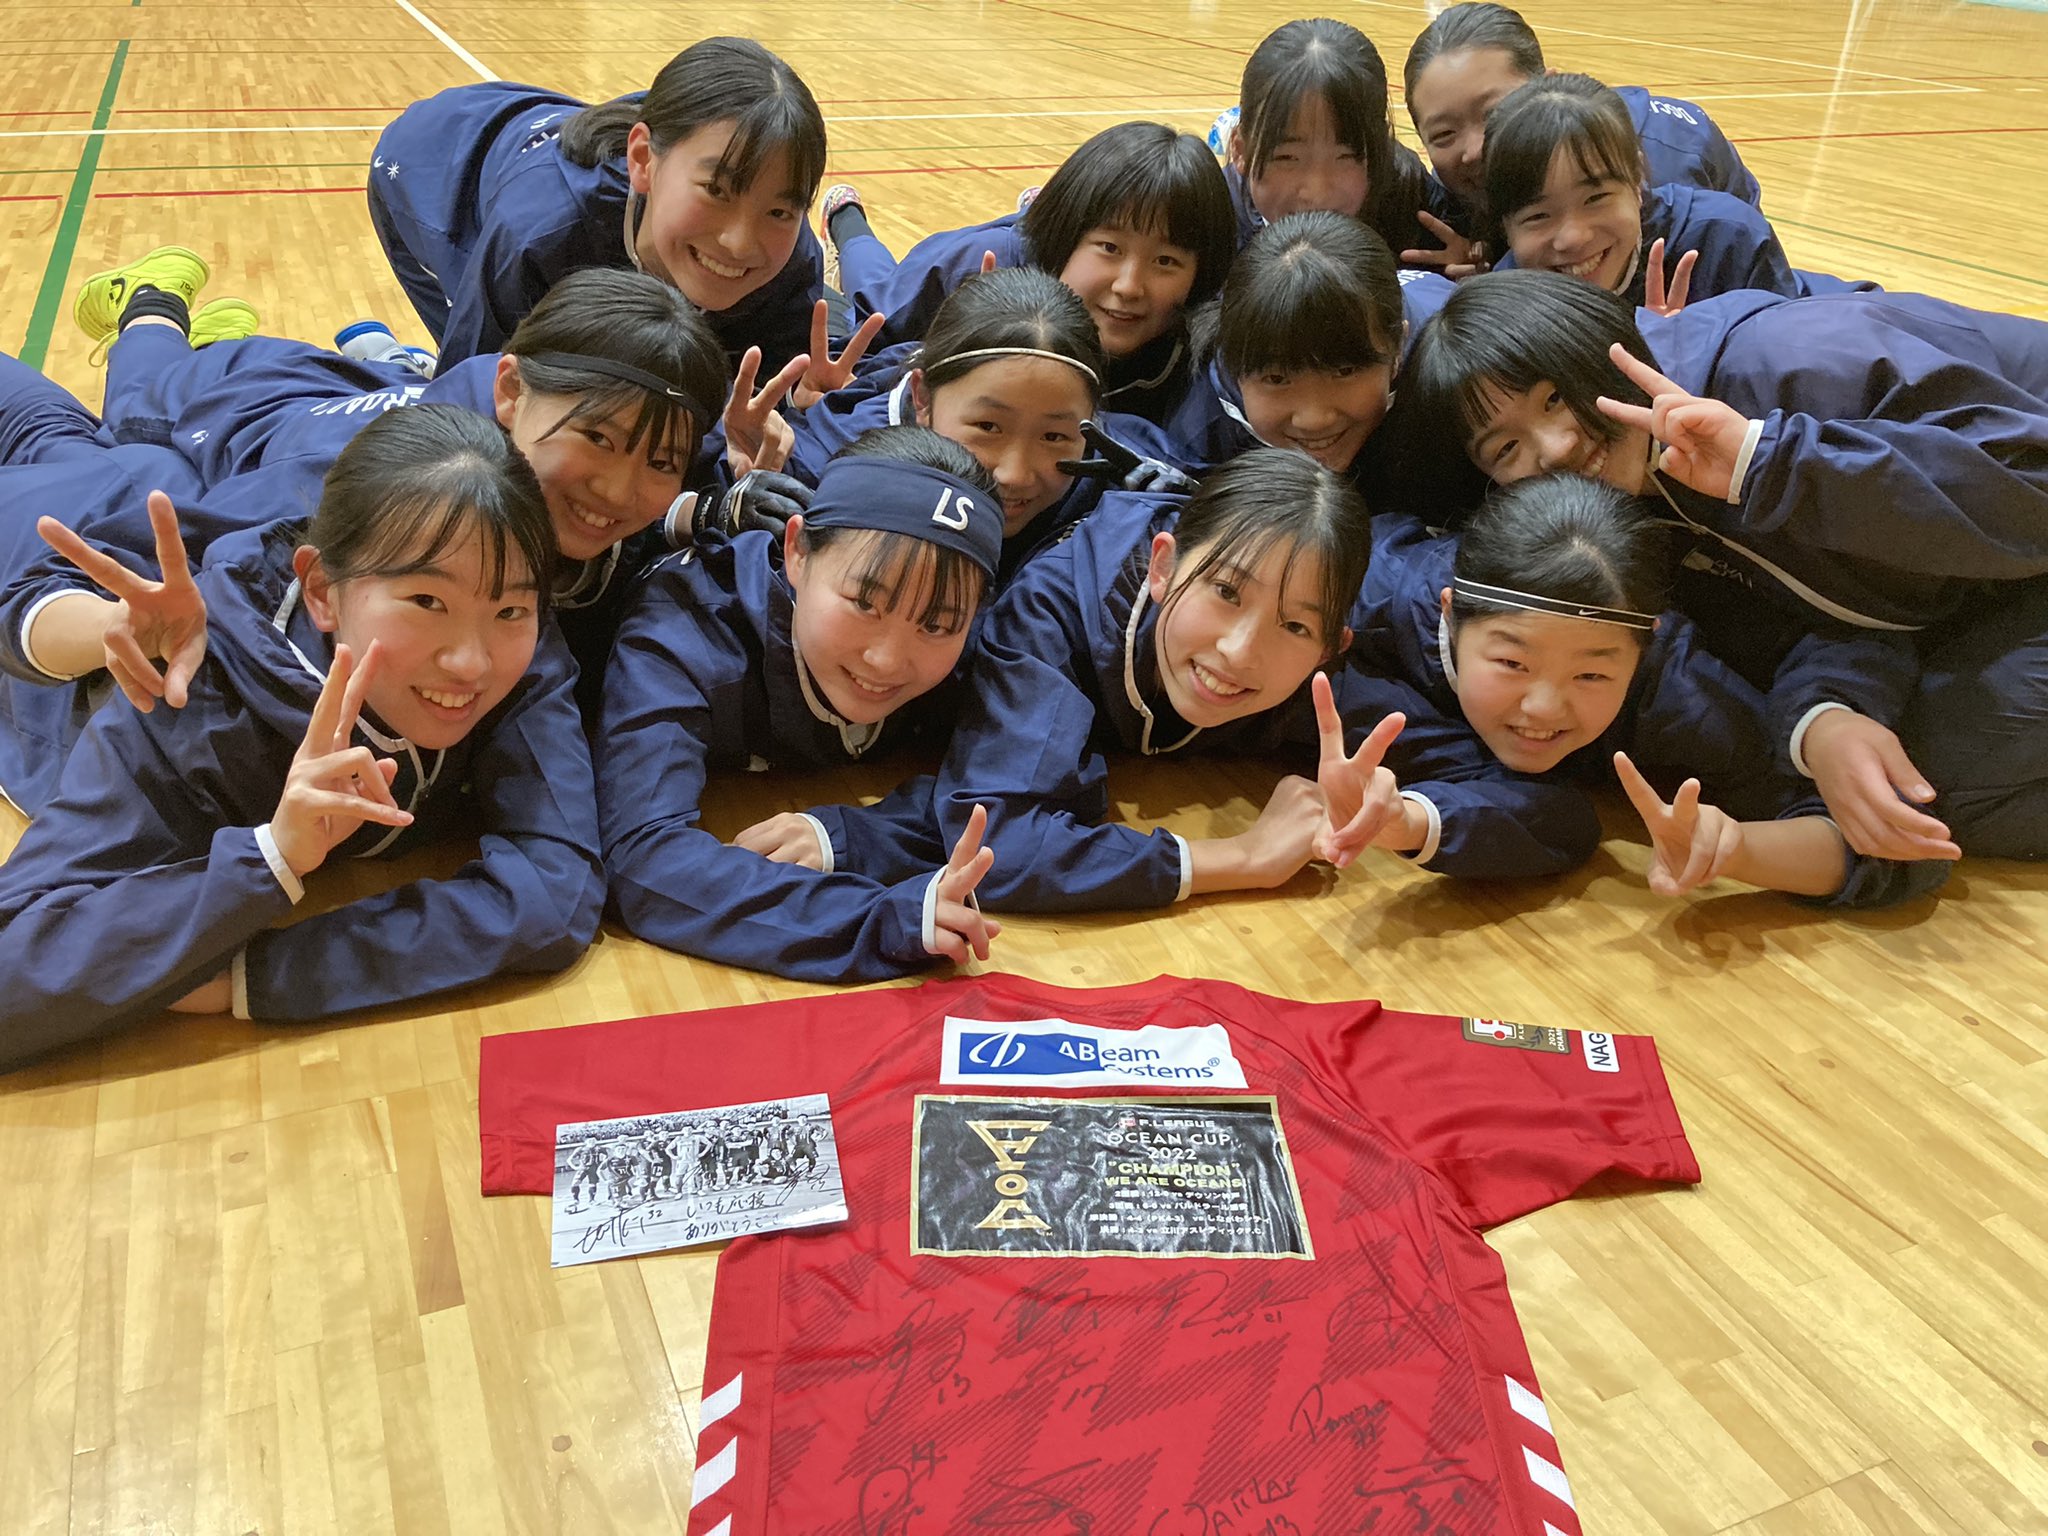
x,y
1150,1178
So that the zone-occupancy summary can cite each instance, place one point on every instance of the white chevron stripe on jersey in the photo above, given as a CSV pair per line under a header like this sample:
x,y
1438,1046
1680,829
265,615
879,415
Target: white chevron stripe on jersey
x,y
1548,1476
714,1474
1529,1406
724,1528
716,1405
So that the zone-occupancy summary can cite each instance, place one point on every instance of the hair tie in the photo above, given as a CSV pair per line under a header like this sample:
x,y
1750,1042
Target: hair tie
x,y
653,383
1508,597
1058,357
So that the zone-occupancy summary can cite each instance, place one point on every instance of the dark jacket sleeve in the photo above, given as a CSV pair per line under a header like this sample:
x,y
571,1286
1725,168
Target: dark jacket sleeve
x,y
529,902
674,884
1024,749
133,887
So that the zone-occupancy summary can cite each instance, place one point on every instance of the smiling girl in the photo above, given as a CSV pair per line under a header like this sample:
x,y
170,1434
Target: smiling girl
x,y
486,195
798,652
1158,626
1009,370
1472,56
375,679
1535,641
1136,221
1565,182
1303,348
607,388
1314,133
1860,481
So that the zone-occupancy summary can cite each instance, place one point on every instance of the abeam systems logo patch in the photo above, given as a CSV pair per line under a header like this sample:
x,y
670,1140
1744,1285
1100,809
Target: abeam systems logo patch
x,y
1055,1053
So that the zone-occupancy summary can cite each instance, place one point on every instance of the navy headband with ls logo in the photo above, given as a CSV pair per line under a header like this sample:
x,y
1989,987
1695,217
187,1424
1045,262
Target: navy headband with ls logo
x,y
894,497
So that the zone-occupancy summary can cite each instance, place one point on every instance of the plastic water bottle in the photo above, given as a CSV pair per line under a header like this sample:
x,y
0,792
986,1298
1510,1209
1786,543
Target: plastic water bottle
x,y
1220,131
371,341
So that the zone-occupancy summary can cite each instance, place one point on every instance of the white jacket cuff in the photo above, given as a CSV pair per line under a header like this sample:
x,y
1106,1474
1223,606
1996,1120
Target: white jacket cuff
x,y
824,841
1434,836
293,886
1798,742
1749,442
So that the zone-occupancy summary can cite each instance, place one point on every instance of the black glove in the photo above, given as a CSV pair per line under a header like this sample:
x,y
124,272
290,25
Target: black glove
x,y
1125,467
761,498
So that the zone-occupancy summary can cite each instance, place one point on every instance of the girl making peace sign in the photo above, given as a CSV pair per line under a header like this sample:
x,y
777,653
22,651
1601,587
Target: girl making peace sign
x,y
363,671
1861,480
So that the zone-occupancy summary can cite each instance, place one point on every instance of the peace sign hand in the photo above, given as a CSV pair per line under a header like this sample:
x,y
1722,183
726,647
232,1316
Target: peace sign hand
x,y
957,924
1459,257
333,788
1702,438
1690,843
827,373
755,436
151,619
1655,295
1359,796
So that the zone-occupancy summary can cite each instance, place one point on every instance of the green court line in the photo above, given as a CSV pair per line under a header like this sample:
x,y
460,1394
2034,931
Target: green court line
x,y
1908,250
36,345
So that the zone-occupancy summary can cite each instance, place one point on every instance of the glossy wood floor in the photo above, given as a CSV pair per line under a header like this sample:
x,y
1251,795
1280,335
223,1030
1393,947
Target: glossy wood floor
x,y
246,1281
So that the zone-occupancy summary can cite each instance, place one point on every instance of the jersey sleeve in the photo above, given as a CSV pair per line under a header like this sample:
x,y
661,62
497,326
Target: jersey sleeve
x,y
1512,1117
528,1084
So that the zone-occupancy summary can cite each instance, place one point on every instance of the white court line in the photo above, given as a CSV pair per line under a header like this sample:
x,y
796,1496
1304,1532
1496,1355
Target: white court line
x,y
1407,7
1925,90
901,117
108,133
445,40
1209,107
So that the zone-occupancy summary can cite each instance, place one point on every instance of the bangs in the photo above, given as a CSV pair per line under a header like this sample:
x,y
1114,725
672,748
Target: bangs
x,y
778,122
1598,153
665,429
938,585
1302,317
1554,114
1319,73
415,532
1240,550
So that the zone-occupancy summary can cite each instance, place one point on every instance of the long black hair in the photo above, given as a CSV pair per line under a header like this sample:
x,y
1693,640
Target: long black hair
x,y
720,79
1566,538
1274,497
414,483
1475,24
1141,176
1333,61
609,314
1010,307
1314,291
1528,126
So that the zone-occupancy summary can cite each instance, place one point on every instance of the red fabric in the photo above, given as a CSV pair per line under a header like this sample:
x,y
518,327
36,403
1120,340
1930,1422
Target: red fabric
x,y
852,1387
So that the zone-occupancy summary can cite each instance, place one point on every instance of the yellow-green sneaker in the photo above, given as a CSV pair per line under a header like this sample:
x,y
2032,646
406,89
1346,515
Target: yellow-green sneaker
x,y
173,268
223,320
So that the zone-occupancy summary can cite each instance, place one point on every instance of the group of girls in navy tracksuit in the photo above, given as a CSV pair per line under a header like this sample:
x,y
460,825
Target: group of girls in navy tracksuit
x,y
1461,487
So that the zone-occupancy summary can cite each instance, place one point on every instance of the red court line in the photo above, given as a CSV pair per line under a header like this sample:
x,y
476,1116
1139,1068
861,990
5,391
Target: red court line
x,y
1118,26
944,170
241,192
32,197
1878,133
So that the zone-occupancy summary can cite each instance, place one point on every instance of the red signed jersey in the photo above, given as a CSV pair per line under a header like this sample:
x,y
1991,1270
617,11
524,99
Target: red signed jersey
x,y
1133,1261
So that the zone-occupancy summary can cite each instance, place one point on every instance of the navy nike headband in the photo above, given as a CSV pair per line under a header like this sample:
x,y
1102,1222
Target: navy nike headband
x,y
891,496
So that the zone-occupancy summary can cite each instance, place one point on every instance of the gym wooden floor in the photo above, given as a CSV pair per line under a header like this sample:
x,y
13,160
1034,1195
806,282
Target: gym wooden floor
x,y
246,1280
